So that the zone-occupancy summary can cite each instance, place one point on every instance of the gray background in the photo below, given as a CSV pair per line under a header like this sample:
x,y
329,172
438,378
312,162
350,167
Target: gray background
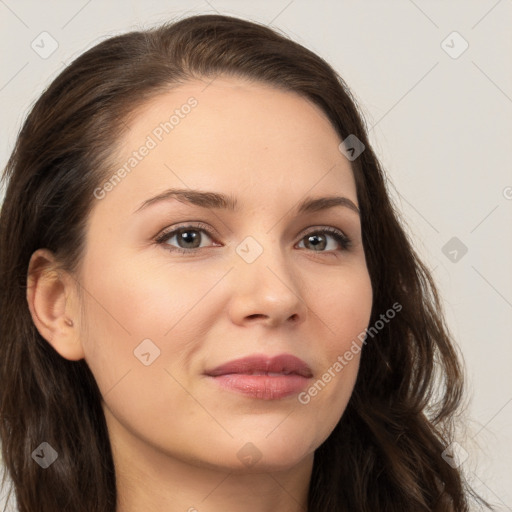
x,y
441,123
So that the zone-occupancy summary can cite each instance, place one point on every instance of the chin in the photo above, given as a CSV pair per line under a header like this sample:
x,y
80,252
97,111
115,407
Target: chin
x,y
273,453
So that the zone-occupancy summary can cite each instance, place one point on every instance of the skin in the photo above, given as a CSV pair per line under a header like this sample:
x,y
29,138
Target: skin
x,y
176,435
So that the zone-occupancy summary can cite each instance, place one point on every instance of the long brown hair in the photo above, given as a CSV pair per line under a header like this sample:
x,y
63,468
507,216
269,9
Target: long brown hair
x,y
386,452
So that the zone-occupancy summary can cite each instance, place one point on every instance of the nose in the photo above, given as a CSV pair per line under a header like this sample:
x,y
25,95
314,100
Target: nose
x,y
266,290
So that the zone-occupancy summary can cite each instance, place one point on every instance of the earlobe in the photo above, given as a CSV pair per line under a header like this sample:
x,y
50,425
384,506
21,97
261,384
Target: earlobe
x,y
50,297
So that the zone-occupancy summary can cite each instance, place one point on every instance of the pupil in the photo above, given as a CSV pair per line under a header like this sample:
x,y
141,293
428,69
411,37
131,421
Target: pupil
x,y
312,237
188,237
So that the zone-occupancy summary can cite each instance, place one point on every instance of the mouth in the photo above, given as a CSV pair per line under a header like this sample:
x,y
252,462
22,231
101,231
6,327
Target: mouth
x,y
262,377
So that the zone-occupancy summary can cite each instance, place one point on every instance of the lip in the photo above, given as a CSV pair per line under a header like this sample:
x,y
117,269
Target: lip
x,y
263,377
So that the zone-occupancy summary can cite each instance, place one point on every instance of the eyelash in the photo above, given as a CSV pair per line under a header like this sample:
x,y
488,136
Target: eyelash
x,y
161,239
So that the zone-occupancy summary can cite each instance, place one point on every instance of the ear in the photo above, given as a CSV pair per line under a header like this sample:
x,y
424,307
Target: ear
x,y
53,304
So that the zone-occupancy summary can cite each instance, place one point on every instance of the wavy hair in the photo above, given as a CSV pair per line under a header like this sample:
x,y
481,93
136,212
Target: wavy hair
x,y
385,454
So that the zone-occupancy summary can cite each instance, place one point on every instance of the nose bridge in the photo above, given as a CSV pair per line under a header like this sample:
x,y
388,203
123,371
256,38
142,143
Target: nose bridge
x,y
262,245
264,272
260,251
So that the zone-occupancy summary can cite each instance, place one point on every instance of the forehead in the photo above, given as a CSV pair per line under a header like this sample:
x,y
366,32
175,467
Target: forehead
x,y
248,137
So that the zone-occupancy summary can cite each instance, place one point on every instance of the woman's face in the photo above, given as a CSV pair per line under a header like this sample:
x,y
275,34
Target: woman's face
x,y
161,325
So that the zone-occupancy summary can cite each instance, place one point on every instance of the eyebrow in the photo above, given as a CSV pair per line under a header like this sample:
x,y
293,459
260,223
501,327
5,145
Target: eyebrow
x,y
219,201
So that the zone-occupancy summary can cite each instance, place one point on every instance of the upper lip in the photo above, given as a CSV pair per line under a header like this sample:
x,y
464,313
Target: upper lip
x,y
284,363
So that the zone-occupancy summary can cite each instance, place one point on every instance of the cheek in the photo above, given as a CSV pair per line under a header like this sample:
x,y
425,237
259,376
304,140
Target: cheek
x,y
346,308
131,302
345,312
139,330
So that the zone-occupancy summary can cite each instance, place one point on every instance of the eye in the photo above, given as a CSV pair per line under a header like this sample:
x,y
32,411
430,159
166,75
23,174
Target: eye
x,y
318,239
189,239
187,236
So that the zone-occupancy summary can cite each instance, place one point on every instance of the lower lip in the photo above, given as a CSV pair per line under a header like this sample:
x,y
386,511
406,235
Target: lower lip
x,y
264,387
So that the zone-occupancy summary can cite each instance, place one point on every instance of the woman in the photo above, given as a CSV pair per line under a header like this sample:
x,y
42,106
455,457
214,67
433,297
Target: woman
x,y
208,301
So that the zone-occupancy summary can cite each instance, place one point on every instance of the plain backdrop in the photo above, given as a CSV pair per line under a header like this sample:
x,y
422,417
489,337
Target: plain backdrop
x,y
434,83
